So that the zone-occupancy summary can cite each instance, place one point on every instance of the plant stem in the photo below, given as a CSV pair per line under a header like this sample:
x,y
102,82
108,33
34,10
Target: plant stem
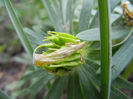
x,y
18,27
106,48
128,70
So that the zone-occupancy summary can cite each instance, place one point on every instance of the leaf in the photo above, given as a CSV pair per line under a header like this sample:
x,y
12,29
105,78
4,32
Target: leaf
x,y
53,15
122,57
3,95
57,88
85,15
123,83
94,22
64,9
69,15
114,17
33,74
74,89
128,71
89,89
114,3
90,70
34,37
36,85
94,34
117,94
18,27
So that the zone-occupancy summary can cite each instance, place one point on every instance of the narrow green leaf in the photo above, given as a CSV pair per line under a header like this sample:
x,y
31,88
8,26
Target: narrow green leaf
x,y
114,3
64,9
122,57
34,37
85,15
33,74
39,84
128,70
74,89
94,22
36,85
90,70
69,16
53,15
90,92
18,27
117,94
3,95
123,83
35,34
57,88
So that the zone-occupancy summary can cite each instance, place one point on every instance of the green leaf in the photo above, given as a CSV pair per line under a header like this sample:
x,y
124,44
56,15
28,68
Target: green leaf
x,y
53,15
18,27
128,70
33,74
69,15
57,88
36,85
94,22
90,91
3,95
123,83
34,37
85,15
90,69
122,57
94,34
114,3
117,94
64,9
74,88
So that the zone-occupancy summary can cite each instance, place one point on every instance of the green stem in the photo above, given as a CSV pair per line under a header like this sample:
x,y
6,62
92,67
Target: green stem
x,y
106,48
128,70
18,27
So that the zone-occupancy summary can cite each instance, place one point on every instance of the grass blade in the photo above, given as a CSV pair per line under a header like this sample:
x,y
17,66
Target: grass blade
x,y
18,27
106,48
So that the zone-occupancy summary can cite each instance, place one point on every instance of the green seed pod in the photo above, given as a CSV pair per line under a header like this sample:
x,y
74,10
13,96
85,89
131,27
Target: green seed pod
x,y
61,54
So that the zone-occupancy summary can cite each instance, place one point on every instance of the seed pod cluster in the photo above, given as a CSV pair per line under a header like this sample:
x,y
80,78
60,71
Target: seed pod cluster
x,y
59,54
128,12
